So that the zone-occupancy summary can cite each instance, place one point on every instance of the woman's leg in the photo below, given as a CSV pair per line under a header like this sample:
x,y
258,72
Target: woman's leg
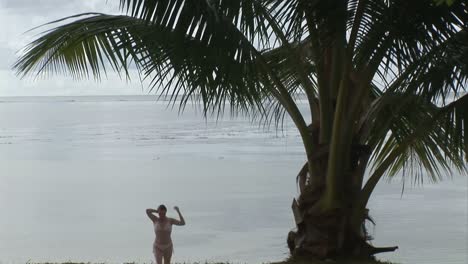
x,y
158,255
168,255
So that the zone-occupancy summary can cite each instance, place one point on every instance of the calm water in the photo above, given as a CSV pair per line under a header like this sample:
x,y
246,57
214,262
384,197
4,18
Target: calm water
x,y
76,175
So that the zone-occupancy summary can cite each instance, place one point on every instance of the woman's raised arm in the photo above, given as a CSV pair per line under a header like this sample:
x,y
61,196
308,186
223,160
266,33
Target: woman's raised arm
x,y
150,214
180,222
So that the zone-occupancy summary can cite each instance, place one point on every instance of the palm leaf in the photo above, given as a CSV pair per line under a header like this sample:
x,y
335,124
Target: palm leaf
x,y
397,32
421,136
89,45
195,18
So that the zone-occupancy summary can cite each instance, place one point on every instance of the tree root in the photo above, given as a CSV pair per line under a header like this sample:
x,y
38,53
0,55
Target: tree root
x,y
377,250
322,249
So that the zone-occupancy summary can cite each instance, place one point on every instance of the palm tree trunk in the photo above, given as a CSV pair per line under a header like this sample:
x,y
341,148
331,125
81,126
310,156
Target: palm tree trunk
x,y
324,233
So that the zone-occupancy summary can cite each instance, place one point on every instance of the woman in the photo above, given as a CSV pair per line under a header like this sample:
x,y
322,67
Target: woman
x,y
162,247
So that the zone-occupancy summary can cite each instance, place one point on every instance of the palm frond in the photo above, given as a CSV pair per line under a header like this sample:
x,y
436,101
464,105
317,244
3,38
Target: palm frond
x,y
443,72
194,18
225,70
279,60
397,32
419,135
82,48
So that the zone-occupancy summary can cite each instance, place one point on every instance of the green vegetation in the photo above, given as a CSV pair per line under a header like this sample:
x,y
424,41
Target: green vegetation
x,y
283,262
384,80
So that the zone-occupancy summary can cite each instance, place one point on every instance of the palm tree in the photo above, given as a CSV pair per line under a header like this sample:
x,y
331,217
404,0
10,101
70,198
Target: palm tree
x,y
385,82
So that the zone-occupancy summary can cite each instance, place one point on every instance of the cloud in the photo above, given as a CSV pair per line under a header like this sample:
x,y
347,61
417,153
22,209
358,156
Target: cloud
x,y
38,5
17,17
48,7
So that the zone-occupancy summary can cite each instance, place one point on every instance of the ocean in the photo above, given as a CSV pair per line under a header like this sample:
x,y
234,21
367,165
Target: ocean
x,y
77,173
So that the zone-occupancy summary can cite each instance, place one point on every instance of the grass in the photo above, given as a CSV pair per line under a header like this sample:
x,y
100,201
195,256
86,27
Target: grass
x,y
289,261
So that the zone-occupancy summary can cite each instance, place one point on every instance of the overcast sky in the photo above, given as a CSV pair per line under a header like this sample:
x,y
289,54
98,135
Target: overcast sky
x,y
19,16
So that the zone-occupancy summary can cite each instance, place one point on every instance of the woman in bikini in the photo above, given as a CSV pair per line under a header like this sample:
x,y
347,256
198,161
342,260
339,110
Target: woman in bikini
x,y
162,247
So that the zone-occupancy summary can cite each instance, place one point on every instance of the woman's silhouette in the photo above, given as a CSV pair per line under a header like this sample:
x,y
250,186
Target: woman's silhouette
x,y
162,247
